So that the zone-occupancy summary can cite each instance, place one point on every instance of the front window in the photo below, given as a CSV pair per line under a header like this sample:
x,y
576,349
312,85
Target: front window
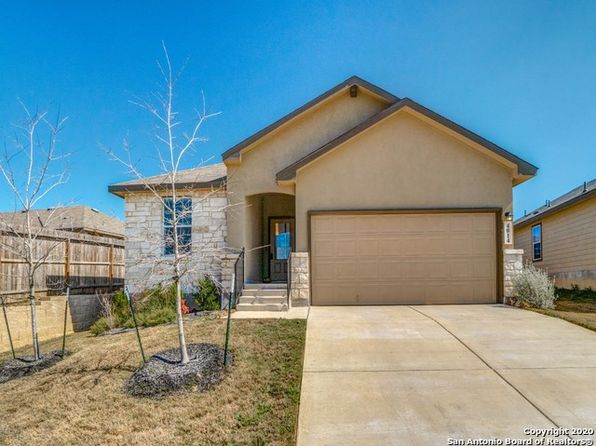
x,y
537,242
181,217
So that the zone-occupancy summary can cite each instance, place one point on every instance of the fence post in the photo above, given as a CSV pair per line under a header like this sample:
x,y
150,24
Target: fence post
x,y
134,320
65,319
67,261
111,267
8,328
230,297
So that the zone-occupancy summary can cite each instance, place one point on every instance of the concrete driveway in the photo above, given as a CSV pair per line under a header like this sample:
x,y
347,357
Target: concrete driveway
x,y
421,375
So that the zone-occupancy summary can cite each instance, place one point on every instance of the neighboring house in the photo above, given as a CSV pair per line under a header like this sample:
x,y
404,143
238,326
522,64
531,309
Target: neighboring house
x,y
560,237
80,219
374,198
83,247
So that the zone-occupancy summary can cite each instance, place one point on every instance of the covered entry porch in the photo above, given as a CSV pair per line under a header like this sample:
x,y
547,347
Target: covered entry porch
x,y
269,237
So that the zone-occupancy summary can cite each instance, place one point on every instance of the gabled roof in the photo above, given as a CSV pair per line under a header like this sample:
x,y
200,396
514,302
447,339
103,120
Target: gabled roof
x,y
203,177
574,196
524,168
354,80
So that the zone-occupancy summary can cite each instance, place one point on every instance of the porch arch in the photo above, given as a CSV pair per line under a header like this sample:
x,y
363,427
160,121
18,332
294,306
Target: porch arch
x,y
261,211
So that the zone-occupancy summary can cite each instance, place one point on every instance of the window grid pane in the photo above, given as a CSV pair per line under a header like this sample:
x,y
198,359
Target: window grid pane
x,y
183,227
536,242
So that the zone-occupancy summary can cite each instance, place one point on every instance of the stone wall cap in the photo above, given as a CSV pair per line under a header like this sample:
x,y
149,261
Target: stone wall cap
x,y
513,251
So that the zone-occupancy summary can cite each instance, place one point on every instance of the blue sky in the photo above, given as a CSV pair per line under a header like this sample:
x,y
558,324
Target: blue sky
x,y
522,74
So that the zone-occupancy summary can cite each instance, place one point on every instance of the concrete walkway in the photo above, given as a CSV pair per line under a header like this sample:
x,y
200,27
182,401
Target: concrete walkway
x,y
421,375
292,313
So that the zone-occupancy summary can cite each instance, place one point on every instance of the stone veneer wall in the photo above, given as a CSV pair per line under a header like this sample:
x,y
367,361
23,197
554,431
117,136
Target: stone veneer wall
x,y
513,264
145,264
299,279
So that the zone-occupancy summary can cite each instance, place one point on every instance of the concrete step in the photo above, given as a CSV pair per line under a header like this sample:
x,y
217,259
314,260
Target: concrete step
x,y
265,286
264,292
262,299
261,307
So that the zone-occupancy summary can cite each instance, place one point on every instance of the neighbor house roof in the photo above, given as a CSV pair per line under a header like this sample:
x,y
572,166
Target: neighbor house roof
x,y
68,218
524,168
574,196
204,177
354,80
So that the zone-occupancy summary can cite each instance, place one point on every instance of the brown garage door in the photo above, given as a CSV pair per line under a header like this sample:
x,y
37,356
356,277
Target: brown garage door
x,y
399,258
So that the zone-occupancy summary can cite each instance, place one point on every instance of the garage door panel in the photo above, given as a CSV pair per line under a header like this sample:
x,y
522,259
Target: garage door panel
x,y
403,258
366,225
344,247
367,247
461,269
324,271
484,268
322,225
346,225
323,248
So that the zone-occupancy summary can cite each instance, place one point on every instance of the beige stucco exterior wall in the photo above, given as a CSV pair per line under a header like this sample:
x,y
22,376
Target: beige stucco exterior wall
x,y
292,141
143,226
568,245
403,162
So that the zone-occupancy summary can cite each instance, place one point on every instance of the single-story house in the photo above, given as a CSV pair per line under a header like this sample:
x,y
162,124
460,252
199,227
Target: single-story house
x,y
373,199
560,237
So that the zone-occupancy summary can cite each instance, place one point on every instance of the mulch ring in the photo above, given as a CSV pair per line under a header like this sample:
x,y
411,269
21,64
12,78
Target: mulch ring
x,y
26,365
163,373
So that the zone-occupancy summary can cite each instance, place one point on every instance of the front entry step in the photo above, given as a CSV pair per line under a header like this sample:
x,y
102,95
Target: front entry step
x,y
263,297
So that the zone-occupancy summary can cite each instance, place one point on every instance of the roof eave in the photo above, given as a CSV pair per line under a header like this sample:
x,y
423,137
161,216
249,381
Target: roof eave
x,y
525,169
234,152
522,178
121,190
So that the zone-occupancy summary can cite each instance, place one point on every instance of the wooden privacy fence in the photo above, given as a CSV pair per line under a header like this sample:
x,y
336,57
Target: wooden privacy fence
x,y
88,263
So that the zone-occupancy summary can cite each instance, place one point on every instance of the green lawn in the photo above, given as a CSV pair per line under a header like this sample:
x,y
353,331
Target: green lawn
x,y
80,400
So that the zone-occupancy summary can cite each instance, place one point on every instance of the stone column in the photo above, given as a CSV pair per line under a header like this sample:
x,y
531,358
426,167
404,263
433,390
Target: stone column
x,y
513,264
299,280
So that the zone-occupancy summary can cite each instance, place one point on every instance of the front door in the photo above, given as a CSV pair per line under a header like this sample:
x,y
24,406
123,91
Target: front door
x,y
281,235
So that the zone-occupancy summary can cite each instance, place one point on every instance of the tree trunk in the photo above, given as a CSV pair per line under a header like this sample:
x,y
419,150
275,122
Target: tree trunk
x,y
181,337
34,322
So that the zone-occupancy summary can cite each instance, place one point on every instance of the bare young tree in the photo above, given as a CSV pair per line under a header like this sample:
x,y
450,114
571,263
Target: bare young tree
x,y
173,145
31,168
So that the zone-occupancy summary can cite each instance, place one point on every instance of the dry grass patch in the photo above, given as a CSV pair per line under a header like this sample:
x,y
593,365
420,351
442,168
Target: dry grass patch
x,y
576,306
81,401
586,320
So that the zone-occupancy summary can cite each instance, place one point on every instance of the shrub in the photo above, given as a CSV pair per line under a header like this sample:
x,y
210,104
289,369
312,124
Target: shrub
x,y
534,288
576,293
120,306
154,306
100,326
158,297
156,316
208,296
